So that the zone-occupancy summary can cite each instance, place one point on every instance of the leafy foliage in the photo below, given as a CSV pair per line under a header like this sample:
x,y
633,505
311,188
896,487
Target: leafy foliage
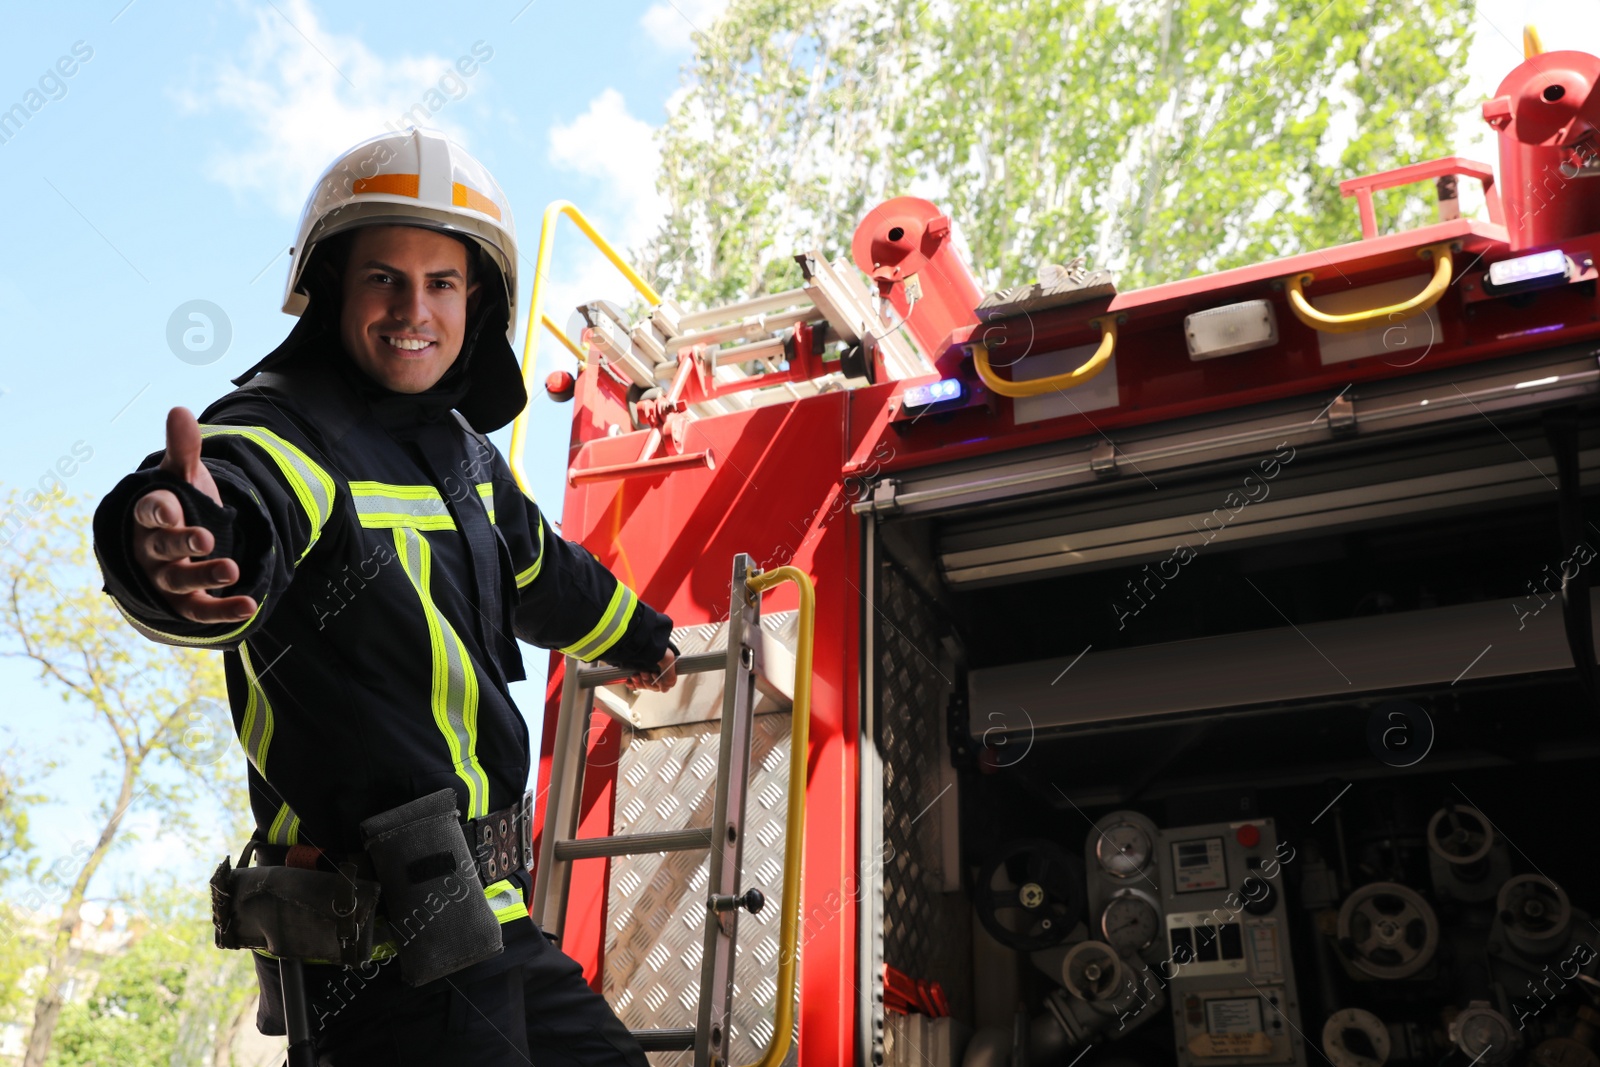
x,y
1161,138
137,697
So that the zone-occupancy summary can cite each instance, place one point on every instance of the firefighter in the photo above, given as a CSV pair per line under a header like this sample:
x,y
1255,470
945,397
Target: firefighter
x,y
343,530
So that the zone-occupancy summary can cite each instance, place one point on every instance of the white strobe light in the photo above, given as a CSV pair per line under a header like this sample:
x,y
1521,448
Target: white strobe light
x,y
1234,328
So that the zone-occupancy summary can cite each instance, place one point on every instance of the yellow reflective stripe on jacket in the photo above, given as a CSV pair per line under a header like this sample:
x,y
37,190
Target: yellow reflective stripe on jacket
x,y
609,629
454,694
255,732
285,829
527,576
505,899
486,494
174,639
388,507
309,482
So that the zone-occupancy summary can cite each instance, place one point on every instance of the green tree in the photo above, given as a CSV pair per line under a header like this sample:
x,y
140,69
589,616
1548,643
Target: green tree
x,y
158,709
168,997
1160,139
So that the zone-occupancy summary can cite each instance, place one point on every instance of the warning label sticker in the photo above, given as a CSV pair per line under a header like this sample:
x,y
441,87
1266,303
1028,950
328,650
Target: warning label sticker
x,y
1241,1015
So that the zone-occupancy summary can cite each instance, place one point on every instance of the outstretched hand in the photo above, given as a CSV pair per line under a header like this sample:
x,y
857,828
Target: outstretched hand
x,y
169,551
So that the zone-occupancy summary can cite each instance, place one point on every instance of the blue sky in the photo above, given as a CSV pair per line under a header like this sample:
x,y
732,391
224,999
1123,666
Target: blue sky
x,y
171,165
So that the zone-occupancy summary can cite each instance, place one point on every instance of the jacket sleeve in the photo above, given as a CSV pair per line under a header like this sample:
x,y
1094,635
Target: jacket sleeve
x,y
566,599
277,497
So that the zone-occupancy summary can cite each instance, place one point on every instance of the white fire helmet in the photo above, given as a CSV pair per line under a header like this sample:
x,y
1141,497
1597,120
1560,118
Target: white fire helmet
x,y
416,178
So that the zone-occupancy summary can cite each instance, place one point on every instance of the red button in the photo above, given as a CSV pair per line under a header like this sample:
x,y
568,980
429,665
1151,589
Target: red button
x,y
1248,836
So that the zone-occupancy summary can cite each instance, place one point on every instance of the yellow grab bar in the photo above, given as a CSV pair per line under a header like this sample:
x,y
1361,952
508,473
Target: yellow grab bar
x,y
795,824
561,335
536,316
1094,365
1363,320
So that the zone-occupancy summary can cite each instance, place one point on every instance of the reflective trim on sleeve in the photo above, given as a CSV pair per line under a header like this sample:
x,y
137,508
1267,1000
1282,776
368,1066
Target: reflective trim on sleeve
x,y
310,483
255,732
390,507
526,577
609,629
486,494
454,694
285,829
505,899
174,639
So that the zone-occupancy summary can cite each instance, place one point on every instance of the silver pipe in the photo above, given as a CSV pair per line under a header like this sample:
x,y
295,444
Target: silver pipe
x,y
741,331
755,306
763,349
635,844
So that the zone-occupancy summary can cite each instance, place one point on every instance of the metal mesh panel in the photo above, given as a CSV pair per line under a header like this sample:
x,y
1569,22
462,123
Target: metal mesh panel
x,y
911,708
666,780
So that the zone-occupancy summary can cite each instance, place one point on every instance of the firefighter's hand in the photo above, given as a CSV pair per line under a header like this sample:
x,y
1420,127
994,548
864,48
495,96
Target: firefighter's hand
x,y
663,678
168,550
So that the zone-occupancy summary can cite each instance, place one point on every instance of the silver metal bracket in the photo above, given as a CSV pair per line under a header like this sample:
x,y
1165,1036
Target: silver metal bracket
x,y
1103,458
1342,414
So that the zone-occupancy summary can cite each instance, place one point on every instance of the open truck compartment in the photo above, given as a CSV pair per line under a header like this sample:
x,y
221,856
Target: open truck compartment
x,y
1203,675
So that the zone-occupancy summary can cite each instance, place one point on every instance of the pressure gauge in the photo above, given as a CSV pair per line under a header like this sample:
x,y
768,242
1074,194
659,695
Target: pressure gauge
x,y
1130,921
1123,850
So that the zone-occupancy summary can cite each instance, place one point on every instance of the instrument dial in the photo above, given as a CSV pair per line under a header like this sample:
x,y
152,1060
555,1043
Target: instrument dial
x,y
1123,850
1130,922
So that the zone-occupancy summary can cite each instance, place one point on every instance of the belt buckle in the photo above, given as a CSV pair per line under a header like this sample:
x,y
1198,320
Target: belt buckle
x,y
525,835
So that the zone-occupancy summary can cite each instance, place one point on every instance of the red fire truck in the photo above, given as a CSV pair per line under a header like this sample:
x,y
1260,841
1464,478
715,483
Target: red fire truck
x,y
1203,674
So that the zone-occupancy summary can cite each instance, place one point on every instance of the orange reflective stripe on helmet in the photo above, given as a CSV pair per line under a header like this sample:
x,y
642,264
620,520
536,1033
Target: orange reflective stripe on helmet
x,y
393,184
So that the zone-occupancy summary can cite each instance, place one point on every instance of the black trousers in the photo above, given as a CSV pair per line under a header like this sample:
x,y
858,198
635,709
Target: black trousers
x,y
539,1011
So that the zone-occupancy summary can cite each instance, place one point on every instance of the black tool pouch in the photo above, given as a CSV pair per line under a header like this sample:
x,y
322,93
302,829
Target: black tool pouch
x,y
308,915
432,896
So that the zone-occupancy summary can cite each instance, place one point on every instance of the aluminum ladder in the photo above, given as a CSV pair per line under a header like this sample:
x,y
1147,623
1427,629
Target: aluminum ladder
x,y
559,845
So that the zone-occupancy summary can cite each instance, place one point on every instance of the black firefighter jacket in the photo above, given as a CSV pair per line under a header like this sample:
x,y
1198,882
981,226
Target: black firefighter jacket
x,y
393,560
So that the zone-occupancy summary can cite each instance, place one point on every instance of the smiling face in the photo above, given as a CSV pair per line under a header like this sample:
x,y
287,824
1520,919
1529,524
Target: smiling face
x,y
406,300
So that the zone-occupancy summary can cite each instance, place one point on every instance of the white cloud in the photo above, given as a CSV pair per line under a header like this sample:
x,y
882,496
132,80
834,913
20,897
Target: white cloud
x,y
618,152
669,23
304,95
617,149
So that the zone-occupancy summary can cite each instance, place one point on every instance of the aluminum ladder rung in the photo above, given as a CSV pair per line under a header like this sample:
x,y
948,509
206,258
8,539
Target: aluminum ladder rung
x,y
699,663
671,1039
588,848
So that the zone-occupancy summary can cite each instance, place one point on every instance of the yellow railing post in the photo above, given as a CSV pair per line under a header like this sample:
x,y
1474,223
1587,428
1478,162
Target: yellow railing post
x,y
537,317
795,824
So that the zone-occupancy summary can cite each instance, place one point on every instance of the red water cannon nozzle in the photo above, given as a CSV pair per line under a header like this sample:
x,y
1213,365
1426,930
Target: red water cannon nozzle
x,y
1546,112
905,243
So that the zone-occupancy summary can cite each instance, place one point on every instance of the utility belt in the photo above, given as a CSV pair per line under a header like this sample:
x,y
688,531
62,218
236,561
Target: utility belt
x,y
421,877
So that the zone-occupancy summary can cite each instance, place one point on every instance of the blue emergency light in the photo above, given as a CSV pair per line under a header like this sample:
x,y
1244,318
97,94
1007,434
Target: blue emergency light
x,y
922,396
1546,268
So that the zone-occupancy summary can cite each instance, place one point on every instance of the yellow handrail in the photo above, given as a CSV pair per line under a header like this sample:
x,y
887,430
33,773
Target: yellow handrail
x,y
561,335
536,316
1355,321
795,826
1014,389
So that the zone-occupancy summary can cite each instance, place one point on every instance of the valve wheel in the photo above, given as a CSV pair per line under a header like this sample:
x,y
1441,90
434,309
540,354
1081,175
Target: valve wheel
x,y
1460,835
1029,895
1536,913
1092,971
1388,930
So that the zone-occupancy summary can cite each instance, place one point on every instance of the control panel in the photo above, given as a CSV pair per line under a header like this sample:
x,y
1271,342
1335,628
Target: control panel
x,y
1225,939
